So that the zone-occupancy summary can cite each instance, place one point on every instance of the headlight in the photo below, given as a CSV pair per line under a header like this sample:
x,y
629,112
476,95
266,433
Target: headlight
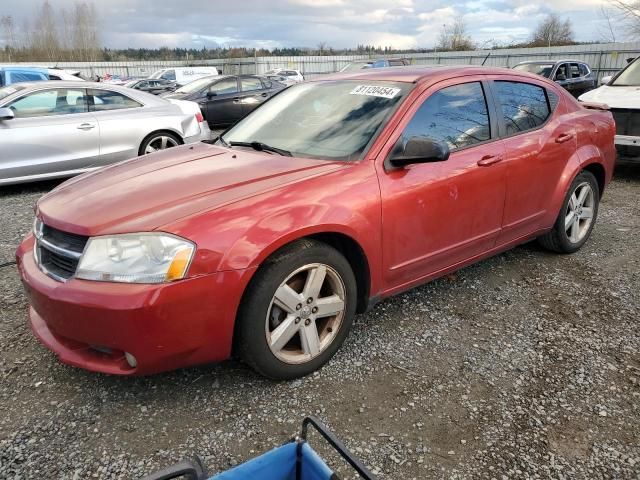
x,y
135,258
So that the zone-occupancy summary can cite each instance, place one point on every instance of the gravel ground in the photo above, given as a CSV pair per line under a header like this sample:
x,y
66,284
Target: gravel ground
x,y
523,366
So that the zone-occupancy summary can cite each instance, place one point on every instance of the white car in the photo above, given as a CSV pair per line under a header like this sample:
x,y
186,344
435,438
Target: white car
x,y
67,75
622,94
183,75
292,76
54,129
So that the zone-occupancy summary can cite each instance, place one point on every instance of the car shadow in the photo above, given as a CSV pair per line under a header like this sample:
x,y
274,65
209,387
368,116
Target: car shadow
x,y
627,172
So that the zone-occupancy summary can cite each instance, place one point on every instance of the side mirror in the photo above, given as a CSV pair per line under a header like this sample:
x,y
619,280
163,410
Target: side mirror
x,y
6,114
417,150
606,80
560,78
211,94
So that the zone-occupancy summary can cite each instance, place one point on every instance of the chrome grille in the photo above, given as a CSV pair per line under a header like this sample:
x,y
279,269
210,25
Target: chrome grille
x,y
58,252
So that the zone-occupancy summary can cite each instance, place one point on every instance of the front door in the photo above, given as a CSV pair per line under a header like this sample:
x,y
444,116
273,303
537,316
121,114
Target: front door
x,y
437,215
222,103
252,94
52,132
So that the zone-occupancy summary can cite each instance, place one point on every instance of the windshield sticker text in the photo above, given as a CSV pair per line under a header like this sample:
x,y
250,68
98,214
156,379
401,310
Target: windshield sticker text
x,y
375,91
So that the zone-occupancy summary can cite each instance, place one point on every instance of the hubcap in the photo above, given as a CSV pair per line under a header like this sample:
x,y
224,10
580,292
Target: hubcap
x,y
160,143
579,214
305,313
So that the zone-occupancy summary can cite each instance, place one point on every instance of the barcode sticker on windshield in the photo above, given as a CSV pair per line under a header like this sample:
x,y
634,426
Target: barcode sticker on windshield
x,y
375,91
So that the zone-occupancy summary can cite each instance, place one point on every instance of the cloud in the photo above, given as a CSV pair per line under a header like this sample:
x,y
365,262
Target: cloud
x,y
339,23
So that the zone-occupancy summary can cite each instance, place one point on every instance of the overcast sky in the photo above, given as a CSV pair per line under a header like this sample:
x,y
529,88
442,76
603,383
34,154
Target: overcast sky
x,y
339,23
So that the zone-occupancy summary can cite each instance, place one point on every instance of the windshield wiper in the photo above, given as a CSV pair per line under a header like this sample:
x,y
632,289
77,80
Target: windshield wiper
x,y
262,147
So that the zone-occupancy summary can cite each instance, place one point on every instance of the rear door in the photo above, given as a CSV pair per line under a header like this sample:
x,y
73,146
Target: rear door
x,y
538,145
252,93
52,132
222,104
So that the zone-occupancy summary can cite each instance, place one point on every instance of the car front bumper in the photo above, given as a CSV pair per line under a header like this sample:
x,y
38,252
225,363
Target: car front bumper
x,y
167,326
628,148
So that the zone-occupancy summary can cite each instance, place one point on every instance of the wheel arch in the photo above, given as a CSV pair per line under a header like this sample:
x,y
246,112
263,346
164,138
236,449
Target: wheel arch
x,y
598,171
171,131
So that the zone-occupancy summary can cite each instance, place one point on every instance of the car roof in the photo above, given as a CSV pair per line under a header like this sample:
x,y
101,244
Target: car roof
x,y
571,60
417,74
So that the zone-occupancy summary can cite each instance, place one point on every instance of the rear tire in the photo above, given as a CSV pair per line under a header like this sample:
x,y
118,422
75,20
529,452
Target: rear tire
x,y
577,216
297,310
158,141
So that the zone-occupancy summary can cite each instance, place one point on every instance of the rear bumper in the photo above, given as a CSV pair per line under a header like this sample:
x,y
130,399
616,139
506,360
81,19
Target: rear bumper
x,y
92,324
205,134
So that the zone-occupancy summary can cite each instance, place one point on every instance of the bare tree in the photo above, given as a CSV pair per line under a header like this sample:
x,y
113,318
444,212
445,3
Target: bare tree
x,y
630,12
455,37
607,32
8,35
322,47
85,39
552,31
44,38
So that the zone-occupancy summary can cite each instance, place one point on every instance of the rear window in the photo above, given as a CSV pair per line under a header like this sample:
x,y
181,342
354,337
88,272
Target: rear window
x,y
104,100
524,106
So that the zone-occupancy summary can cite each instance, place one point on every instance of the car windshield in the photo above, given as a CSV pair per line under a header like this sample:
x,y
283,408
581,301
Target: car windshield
x,y
9,90
196,85
332,119
355,66
543,69
629,77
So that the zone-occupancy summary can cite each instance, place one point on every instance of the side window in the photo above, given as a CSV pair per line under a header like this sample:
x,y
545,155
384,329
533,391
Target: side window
x,y
144,84
49,103
169,75
575,71
457,116
524,106
584,70
54,77
379,64
104,100
17,77
250,83
267,83
561,72
228,85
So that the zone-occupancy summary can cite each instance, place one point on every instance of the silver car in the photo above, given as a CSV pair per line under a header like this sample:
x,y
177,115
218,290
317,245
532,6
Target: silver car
x,y
59,129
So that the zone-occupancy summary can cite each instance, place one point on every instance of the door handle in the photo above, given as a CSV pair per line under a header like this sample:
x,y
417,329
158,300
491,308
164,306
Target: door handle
x,y
488,160
265,95
564,137
86,126
236,99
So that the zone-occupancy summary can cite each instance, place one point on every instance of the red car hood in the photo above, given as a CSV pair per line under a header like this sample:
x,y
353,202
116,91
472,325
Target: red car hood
x,y
146,193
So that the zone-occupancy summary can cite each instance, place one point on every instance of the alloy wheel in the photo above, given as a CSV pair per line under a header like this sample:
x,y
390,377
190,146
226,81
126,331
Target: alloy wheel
x,y
306,313
160,143
579,214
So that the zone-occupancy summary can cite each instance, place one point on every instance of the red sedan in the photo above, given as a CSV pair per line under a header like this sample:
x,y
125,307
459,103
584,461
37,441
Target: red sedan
x,y
331,196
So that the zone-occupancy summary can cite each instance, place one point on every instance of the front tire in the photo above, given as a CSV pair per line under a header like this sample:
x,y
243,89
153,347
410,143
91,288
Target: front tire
x,y
577,216
297,310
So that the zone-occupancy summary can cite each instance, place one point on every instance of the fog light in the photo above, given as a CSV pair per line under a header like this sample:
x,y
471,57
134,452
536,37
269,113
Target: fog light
x,y
131,360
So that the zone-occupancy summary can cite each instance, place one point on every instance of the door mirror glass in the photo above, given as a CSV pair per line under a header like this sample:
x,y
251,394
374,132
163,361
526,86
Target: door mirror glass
x,y
6,114
418,150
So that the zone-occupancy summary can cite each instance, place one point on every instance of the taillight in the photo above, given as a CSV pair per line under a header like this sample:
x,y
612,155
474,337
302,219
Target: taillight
x,y
199,117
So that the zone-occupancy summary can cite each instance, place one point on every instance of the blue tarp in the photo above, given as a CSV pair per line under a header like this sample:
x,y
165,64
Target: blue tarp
x,y
280,464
